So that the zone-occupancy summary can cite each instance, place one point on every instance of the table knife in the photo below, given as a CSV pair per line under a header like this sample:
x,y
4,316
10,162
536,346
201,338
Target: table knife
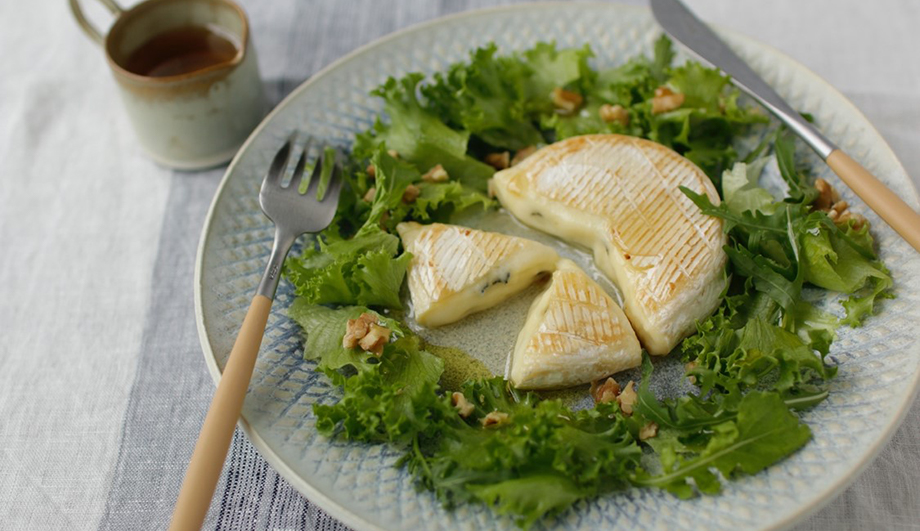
x,y
682,25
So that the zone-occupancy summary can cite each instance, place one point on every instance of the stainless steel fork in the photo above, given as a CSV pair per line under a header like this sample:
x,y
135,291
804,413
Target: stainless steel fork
x,y
293,214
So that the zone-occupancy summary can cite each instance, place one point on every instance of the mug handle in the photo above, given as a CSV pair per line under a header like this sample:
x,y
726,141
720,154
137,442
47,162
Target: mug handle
x,y
84,23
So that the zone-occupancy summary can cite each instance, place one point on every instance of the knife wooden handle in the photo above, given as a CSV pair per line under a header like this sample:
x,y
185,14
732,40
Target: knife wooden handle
x,y
903,219
217,431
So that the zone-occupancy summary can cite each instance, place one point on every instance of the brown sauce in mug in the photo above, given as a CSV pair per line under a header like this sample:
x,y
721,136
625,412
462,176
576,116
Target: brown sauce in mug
x,y
181,51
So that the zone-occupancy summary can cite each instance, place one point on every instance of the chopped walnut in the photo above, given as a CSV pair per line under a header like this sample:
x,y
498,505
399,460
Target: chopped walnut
x,y
838,210
369,196
522,154
357,329
377,336
393,153
566,100
499,161
371,171
411,194
383,220
827,196
648,431
858,219
666,100
689,367
627,398
494,418
436,175
614,113
605,392
364,332
464,406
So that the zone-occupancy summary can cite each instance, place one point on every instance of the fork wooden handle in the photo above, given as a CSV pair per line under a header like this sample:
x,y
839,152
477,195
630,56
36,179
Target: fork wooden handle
x,y
903,219
217,432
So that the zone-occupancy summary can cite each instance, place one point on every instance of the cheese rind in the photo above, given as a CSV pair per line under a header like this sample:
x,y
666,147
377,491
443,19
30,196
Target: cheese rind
x,y
456,271
574,334
620,197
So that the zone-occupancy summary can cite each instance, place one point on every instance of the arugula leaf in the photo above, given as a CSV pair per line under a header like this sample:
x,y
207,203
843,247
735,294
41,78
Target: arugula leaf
x,y
764,432
684,415
766,278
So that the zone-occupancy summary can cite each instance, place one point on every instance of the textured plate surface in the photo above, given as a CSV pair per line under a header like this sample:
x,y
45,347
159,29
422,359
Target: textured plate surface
x,y
879,363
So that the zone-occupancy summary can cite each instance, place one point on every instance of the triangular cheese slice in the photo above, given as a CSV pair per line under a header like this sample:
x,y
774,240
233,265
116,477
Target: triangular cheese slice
x,y
574,334
456,271
620,196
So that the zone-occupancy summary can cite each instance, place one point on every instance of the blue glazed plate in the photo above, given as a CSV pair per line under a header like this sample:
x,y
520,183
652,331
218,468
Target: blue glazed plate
x,y
358,484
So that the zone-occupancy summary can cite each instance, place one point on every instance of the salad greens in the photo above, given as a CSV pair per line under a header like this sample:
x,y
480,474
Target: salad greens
x,y
756,361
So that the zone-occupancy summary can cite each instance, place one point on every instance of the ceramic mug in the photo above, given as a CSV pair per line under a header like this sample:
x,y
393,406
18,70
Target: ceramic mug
x,y
189,120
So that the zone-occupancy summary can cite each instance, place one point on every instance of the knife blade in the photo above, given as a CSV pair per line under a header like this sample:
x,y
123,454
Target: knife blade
x,y
686,28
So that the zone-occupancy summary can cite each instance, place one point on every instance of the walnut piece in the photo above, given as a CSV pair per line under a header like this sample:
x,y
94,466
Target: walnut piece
x,y
858,219
627,398
357,328
666,100
364,332
614,113
436,175
689,367
605,392
371,171
648,431
827,196
499,161
377,336
566,100
494,418
464,406
838,210
522,154
393,153
411,194
369,196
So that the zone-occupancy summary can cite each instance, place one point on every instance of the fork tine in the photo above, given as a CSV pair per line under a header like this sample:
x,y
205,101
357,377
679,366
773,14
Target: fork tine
x,y
279,164
317,171
335,186
297,176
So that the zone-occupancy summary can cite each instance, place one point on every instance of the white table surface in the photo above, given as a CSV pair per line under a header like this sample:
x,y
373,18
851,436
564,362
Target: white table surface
x,y
97,247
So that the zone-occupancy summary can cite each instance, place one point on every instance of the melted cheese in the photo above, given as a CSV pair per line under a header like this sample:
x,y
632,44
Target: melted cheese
x,y
620,197
456,271
574,334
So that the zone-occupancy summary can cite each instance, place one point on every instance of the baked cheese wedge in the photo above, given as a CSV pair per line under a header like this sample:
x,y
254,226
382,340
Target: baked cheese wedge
x,y
574,334
456,271
620,197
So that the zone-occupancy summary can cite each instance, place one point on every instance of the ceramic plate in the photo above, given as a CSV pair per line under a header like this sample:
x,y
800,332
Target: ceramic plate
x,y
879,363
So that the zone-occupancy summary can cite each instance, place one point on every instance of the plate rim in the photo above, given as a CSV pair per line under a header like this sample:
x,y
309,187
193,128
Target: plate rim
x,y
357,522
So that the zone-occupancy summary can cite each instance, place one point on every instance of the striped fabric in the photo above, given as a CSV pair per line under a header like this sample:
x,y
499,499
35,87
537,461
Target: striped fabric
x,y
103,387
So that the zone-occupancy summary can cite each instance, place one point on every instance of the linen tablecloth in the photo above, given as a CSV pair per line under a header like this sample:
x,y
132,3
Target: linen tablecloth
x,y
102,384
